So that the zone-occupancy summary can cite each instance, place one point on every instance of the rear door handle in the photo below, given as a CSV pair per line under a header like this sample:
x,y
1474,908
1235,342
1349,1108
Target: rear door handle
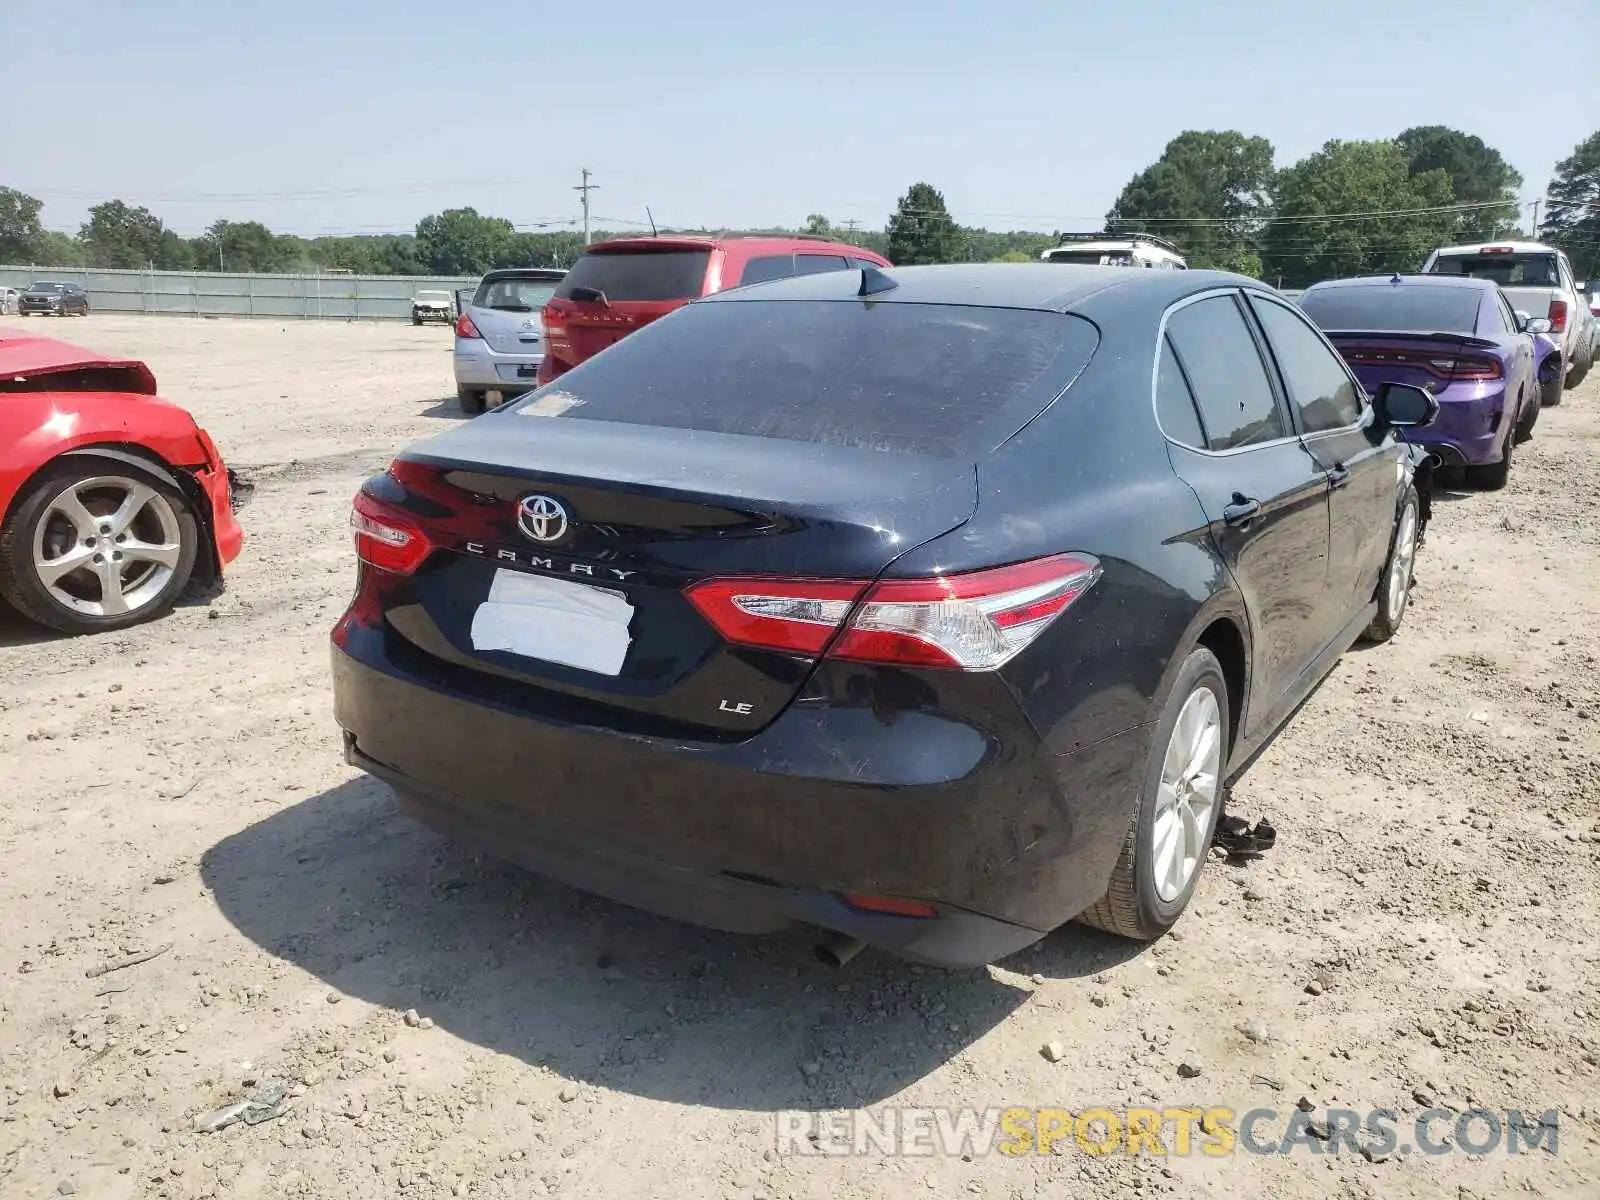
x,y
1241,512
1338,476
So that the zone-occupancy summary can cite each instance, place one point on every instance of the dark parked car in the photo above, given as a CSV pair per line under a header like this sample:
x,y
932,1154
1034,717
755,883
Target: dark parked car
x,y
931,607
53,299
1455,336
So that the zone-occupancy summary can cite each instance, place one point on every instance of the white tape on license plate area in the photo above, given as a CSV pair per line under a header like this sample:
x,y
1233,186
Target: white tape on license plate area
x,y
554,620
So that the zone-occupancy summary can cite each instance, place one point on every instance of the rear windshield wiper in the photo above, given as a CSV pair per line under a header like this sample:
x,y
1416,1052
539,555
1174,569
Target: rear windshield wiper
x,y
589,295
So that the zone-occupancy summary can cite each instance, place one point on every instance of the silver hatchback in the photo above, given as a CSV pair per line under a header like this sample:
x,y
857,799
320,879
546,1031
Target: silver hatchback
x,y
500,336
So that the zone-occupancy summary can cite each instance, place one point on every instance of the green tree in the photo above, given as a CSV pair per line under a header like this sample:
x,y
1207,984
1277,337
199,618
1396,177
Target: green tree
x,y
1313,234
459,241
20,230
59,250
1572,219
1221,180
245,246
921,230
818,225
1479,174
118,235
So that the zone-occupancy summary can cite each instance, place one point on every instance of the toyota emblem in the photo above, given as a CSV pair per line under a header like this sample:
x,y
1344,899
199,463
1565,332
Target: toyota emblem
x,y
542,518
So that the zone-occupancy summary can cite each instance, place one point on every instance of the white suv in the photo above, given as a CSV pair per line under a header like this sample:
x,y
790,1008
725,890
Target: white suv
x,y
1537,279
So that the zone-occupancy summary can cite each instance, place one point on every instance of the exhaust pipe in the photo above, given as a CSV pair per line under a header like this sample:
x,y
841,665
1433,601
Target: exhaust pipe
x,y
837,949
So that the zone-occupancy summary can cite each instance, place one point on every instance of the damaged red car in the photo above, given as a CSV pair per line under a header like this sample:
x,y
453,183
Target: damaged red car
x,y
113,502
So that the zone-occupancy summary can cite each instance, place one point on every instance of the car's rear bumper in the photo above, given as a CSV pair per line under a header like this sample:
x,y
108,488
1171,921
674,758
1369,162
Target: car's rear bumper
x,y
476,365
1005,842
1469,430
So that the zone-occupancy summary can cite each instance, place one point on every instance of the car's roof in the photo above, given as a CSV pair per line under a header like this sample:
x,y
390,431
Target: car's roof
x,y
1049,286
1513,247
523,273
698,241
1471,282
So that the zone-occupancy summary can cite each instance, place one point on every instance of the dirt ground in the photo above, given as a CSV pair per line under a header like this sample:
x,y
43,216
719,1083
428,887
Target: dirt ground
x,y
1426,931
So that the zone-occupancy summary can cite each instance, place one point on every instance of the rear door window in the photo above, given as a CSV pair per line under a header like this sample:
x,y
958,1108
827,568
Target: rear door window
x,y
946,380
1220,359
642,274
816,264
767,267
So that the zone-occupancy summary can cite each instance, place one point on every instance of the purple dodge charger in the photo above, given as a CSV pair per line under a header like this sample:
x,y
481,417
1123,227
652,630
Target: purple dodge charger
x,y
1455,336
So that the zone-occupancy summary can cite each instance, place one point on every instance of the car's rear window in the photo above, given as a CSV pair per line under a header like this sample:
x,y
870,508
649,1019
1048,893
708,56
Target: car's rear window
x,y
512,294
947,380
1508,270
1392,306
641,274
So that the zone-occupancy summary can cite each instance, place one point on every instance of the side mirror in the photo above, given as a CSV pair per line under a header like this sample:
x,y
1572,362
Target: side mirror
x,y
1583,285
1404,406
1537,325
1522,320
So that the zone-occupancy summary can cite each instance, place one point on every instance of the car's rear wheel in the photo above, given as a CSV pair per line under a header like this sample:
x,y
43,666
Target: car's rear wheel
x,y
472,400
95,545
1394,589
1179,804
1579,370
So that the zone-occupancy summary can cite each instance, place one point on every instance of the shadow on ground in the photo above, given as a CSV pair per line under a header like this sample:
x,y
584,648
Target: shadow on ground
x,y
17,630
446,408
381,909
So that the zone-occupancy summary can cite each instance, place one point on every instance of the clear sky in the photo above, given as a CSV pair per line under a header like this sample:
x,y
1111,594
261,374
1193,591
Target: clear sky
x,y
343,117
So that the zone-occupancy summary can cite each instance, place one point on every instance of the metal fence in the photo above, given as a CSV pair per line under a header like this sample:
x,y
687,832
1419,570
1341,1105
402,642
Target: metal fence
x,y
215,294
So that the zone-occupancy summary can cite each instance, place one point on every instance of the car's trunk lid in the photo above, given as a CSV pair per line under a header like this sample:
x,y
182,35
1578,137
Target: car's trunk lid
x,y
1430,360
648,511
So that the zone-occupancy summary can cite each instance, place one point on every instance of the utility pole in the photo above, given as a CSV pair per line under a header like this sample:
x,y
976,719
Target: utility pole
x,y
851,226
1536,220
584,189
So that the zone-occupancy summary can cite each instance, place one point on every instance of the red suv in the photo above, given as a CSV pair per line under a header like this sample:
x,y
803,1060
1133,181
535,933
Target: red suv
x,y
620,285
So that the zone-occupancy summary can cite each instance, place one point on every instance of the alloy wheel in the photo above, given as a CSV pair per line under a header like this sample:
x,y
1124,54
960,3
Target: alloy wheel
x,y
107,546
1186,797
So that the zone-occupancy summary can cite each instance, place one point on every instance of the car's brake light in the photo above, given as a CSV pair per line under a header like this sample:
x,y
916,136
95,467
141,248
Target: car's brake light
x,y
1496,250
1558,316
973,622
1469,368
385,538
465,328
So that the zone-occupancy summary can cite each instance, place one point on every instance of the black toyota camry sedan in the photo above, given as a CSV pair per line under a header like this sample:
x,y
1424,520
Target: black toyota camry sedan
x,y
930,607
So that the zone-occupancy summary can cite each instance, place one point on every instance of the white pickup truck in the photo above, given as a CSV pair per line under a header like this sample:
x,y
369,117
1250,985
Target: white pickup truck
x,y
1537,280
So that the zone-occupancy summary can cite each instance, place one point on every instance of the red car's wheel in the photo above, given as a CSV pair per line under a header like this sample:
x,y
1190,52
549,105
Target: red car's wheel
x,y
95,545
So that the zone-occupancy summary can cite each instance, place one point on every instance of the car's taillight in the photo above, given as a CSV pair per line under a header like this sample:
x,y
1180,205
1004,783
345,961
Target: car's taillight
x,y
465,328
386,538
972,622
1558,316
1470,368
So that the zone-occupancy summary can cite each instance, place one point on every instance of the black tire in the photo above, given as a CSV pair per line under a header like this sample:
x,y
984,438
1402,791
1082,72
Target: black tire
x,y
1392,603
20,582
1132,907
1493,476
1530,418
472,400
1579,370
416,320
1550,393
